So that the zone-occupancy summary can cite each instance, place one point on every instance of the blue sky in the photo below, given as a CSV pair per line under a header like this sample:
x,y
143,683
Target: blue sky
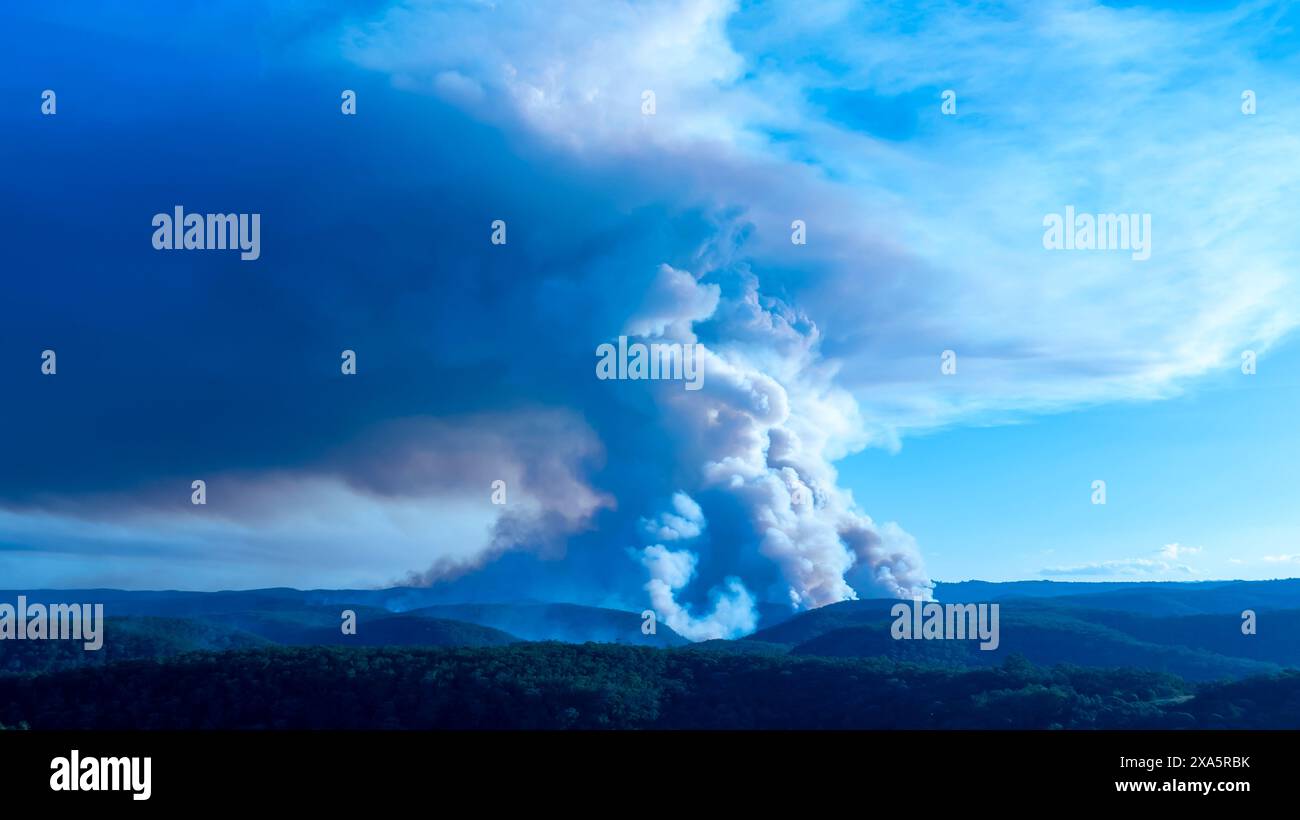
x,y
476,361
1213,471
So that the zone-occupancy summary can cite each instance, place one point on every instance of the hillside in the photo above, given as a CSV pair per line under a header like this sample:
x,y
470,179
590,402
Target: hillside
x,y
569,623
404,630
125,639
589,686
294,616
1042,638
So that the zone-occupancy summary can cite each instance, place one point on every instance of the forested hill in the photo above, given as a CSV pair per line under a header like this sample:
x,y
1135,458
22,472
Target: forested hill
x,y
552,686
1068,655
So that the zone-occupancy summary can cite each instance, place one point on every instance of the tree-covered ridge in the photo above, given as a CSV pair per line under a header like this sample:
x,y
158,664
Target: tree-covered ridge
x,y
594,686
125,639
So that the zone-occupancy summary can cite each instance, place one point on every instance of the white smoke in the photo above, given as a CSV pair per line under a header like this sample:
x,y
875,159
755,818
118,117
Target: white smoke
x,y
684,522
733,612
765,429
770,421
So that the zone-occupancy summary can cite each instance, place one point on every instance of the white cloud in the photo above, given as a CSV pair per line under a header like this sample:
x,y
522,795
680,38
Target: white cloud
x,y
1175,550
1165,565
1123,567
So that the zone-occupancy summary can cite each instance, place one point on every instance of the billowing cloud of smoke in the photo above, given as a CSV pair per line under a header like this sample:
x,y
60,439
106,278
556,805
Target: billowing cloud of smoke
x,y
763,431
733,607
534,461
685,521
732,610
398,494
453,332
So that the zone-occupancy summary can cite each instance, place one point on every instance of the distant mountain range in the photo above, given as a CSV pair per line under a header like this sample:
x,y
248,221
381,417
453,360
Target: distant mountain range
x,y
1146,598
160,624
1192,630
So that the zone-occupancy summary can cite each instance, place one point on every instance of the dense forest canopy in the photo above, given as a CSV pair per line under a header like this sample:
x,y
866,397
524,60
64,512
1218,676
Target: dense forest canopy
x,y
594,686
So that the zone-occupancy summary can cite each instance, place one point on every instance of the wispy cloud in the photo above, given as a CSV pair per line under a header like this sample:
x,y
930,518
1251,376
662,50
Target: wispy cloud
x,y
1163,564
1124,567
1175,550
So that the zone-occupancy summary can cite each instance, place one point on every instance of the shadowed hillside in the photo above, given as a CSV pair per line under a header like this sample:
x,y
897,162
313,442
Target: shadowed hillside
x,y
589,686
